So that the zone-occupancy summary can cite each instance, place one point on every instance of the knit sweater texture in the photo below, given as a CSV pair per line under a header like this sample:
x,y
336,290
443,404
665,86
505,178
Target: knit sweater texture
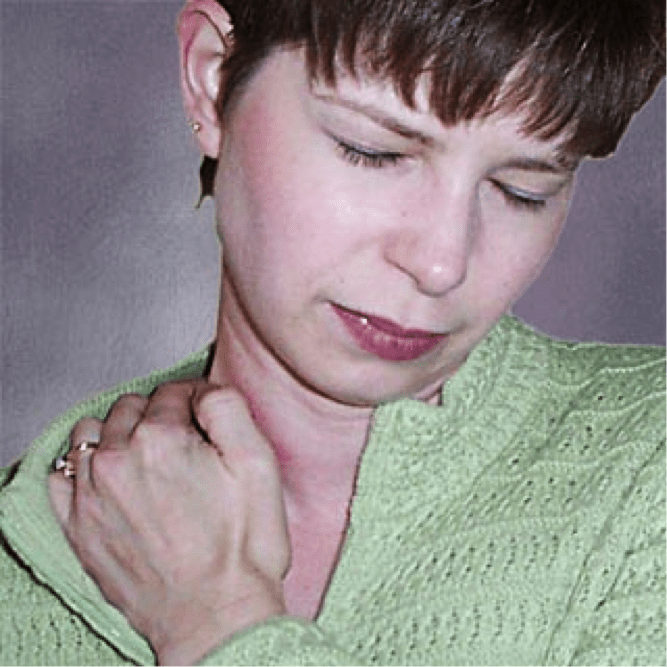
x,y
521,522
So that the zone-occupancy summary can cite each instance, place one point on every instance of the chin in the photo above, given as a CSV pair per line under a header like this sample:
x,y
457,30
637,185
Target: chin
x,y
364,388
365,381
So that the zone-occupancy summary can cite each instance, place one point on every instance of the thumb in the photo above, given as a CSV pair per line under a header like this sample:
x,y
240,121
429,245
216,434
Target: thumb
x,y
247,454
225,417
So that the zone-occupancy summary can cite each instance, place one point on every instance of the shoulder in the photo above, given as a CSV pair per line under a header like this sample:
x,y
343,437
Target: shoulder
x,y
596,400
37,627
584,357
601,376
602,412
584,421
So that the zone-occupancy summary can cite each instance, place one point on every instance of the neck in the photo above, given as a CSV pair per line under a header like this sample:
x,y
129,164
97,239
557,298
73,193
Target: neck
x,y
317,441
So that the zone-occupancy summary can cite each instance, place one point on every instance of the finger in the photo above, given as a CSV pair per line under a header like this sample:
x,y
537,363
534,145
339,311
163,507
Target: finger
x,y
121,420
224,415
60,496
87,429
172,403
81,459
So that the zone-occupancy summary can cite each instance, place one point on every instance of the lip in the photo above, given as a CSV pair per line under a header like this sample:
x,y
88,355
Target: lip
x,y
386,339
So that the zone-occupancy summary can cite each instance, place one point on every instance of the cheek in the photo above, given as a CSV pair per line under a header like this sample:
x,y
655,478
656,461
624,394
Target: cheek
x,y
513,257
288,199
547,241
256,197
281,216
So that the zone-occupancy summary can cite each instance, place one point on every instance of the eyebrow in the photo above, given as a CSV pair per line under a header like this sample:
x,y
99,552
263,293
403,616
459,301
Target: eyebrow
x,y
561,165
378,116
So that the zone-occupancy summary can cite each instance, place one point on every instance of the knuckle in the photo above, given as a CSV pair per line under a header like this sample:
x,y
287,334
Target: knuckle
x,y
166,389
86,422
86,428
131,400
145,432
149,438
151,433
107,466
172,385
155,442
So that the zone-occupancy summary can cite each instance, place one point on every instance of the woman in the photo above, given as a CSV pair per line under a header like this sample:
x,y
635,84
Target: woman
x,y
379,465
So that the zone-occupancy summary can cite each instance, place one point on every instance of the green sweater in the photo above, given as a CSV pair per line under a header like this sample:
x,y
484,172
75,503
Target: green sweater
x,y
522,522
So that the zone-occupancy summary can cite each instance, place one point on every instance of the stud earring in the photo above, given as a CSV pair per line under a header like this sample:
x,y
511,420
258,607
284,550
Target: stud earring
x,y
195,126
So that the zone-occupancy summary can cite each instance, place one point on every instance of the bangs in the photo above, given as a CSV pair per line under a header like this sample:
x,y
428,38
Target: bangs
x,y
572,69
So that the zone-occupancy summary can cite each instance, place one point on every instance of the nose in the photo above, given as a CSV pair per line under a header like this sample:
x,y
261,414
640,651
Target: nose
x,y
432,243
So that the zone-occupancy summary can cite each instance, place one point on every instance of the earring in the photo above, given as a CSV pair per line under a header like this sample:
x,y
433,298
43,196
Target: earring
x,y
195,126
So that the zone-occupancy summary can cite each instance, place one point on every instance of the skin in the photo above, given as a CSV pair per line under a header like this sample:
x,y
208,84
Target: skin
x,y
323,196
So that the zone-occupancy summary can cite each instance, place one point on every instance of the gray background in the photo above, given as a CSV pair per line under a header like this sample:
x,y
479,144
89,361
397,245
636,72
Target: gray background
x,y
108,271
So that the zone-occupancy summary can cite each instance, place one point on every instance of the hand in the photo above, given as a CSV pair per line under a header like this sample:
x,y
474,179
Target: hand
x,y
178,515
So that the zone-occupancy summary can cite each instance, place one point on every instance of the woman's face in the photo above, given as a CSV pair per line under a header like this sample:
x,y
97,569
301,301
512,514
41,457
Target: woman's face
x,y
366,246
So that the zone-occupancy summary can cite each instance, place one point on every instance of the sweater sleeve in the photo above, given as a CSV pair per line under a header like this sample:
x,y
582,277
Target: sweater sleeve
x,y
280,641
617,611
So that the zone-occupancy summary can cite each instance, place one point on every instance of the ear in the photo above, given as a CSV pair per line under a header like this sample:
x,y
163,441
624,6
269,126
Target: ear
x,y
204,35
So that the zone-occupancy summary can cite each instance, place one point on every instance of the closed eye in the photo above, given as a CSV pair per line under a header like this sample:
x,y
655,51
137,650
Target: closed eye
x,y
519,198
365,157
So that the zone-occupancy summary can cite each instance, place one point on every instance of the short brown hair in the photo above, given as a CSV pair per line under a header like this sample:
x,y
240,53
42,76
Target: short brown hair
x,y
578,67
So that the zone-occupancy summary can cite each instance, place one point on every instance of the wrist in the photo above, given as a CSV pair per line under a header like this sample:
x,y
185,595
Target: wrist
x,y
194,639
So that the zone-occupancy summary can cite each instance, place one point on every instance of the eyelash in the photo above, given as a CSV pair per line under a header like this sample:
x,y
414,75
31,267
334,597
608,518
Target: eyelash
x,y
360,157
522,202
377,160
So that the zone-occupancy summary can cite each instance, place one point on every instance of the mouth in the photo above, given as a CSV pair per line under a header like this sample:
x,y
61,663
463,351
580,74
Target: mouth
x,y
386,339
